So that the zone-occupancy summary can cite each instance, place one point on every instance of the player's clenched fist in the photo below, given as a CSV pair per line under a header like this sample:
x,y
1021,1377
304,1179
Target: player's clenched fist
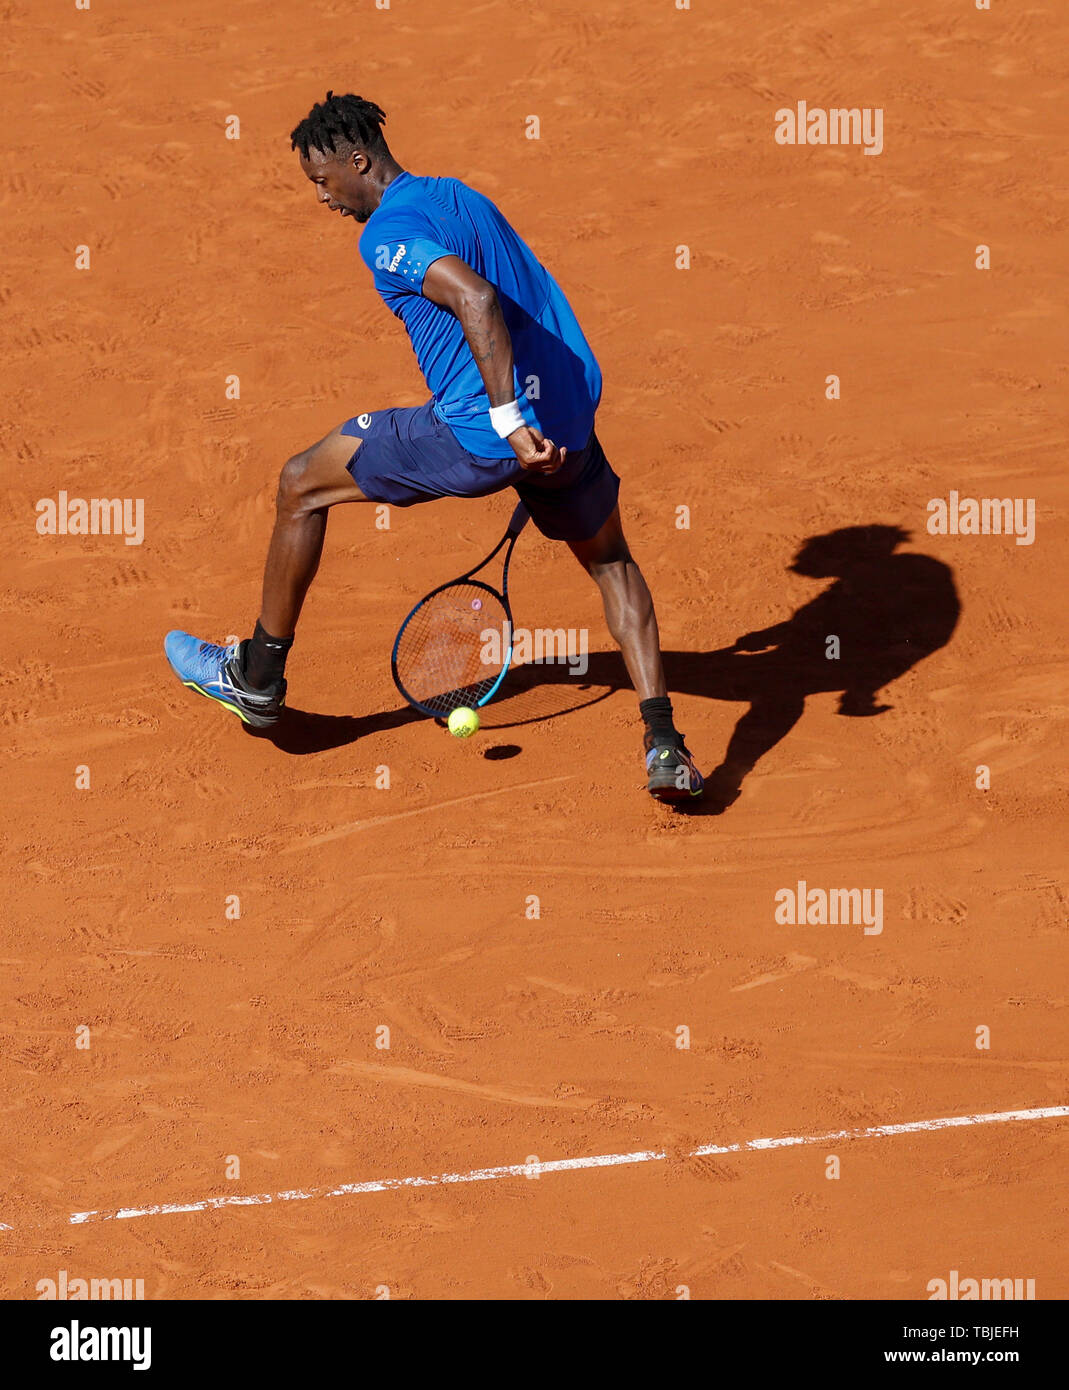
x,y
535,452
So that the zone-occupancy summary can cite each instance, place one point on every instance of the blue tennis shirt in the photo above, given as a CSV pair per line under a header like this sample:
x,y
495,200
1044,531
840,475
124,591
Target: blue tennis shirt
x,y
557,377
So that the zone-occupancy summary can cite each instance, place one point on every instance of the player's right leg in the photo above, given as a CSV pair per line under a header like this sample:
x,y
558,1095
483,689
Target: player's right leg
x,y
310,484
247,677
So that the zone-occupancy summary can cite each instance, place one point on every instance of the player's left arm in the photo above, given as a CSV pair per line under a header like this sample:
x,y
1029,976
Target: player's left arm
x,y
452,284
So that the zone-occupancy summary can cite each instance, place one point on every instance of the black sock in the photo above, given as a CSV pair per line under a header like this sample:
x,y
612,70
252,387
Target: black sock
x,y
660,730
263,658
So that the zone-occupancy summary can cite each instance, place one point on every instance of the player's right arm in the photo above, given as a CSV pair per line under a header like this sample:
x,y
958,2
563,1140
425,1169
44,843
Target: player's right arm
x,y
452,284
758,641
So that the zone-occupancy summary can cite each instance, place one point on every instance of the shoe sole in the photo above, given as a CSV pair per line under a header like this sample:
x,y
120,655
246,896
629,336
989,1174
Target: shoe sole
x,y
673,794
664,789
254,721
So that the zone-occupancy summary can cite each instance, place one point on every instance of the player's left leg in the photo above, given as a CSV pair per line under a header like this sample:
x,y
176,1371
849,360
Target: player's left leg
x,y
632,621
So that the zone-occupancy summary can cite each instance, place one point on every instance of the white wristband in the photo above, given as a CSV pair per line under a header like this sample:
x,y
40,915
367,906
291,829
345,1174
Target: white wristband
x,y
506,418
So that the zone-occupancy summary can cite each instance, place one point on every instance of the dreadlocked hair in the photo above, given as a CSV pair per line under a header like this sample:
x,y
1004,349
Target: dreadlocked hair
x,y
338,124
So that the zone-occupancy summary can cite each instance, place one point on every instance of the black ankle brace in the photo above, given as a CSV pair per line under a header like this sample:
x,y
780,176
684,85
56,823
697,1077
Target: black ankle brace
x,y
660,727
263,658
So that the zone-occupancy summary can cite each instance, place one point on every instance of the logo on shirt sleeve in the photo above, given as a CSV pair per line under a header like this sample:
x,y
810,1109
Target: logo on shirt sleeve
x,y
398,257
386,258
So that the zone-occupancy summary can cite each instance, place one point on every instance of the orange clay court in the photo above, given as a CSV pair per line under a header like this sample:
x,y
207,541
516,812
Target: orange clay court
x,y
230,922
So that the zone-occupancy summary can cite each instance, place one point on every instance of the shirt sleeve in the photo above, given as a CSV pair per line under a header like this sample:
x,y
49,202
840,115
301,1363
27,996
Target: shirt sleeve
x,y
399,261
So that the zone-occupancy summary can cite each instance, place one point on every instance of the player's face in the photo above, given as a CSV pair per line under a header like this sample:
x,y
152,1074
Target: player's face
x,y
341,183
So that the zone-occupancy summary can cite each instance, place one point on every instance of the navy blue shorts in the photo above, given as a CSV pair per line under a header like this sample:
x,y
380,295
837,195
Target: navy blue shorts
x,y
408,455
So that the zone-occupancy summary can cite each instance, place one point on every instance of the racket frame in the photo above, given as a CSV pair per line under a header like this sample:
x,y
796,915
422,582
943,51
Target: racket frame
x,y
517,522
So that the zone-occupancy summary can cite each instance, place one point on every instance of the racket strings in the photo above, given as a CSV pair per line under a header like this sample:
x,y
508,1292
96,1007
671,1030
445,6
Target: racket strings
x,y
453,648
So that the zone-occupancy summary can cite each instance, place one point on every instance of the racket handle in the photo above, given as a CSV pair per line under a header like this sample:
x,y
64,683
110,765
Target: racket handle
x,y
520,517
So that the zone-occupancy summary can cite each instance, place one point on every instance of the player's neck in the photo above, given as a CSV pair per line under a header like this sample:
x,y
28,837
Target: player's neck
x,y
385,173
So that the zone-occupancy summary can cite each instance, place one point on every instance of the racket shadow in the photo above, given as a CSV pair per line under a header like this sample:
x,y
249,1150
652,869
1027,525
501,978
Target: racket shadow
x,y
530,695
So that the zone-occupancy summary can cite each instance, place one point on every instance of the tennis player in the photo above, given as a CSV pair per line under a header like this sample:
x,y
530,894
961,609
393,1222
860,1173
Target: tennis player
x,y
515,391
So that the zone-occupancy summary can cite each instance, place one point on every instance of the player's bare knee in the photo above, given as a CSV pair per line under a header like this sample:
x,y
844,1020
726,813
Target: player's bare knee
x,y
292,483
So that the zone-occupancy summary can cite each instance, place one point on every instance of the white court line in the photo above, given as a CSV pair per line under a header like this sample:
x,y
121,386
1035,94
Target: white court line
x,y
562,1165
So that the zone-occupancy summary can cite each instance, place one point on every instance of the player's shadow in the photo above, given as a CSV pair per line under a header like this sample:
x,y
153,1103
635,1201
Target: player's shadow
x,y
883,613
886,611
299,731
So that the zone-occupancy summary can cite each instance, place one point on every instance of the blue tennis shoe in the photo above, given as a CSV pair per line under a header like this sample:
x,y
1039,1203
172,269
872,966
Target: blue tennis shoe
x,y
215,672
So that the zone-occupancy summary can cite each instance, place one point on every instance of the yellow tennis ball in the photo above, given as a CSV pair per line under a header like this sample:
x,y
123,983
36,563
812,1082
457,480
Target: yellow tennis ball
x,y
463,723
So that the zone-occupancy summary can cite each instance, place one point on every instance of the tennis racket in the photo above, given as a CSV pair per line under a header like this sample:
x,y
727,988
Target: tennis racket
x,y
454,648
